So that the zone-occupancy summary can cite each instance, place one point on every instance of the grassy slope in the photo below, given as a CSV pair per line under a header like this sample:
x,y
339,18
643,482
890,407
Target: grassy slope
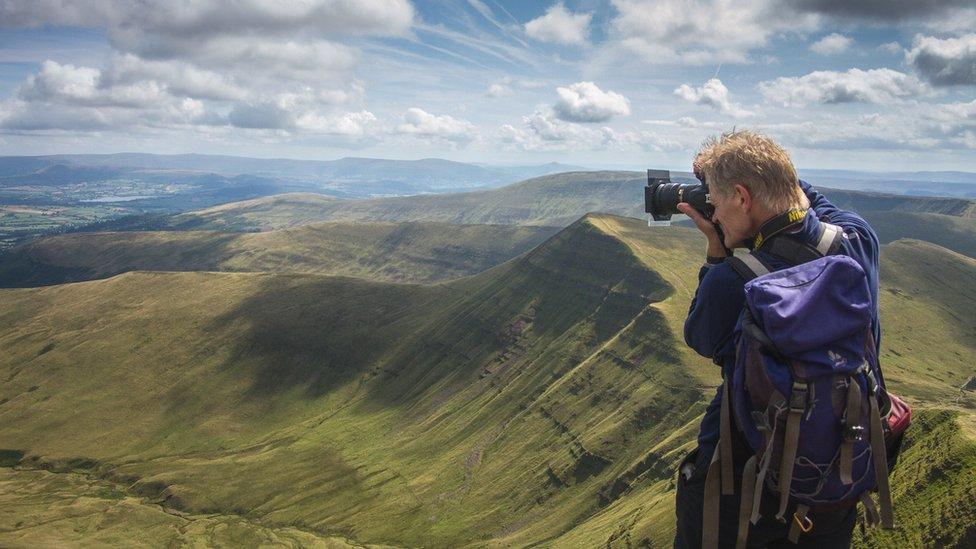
x,y
555,200
58,509
545,399
934,484
949,231
278,211
372,411
407,252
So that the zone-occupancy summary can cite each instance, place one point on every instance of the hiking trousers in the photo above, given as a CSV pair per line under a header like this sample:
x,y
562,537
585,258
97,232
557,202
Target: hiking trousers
x,y
831,529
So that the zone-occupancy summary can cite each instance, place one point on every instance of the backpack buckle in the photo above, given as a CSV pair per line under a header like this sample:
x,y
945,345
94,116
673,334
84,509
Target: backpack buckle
x,y
798,396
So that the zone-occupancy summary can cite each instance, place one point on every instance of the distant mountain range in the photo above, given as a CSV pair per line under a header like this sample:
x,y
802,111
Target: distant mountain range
x,y
953,184
50,194
426,175
57,193
557,200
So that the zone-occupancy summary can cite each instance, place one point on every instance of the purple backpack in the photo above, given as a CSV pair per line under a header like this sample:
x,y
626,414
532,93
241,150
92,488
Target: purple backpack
x,y
806,391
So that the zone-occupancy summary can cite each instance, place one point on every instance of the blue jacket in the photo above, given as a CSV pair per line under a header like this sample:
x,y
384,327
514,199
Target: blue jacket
x,y
720,296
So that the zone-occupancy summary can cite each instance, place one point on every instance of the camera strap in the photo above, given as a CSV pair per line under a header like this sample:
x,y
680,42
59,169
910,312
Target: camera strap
x,y
776,225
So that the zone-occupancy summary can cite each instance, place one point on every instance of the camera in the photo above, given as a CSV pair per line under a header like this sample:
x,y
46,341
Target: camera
x,y
661,196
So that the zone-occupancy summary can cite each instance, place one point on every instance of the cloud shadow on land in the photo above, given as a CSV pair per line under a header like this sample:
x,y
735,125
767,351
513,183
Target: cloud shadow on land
x,y
319,332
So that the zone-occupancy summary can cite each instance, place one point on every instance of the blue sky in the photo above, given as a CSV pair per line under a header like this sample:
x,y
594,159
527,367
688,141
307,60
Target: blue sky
x,y
871,84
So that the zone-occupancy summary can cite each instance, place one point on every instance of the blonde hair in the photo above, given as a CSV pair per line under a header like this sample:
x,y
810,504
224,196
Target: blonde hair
x,y
754,161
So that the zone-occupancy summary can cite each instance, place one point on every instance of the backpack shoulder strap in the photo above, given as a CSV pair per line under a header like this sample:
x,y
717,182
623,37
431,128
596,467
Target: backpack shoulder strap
x,y
748,266
795,252
830,240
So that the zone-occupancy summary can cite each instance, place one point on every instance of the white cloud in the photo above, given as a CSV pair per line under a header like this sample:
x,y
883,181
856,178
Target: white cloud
x,y
881,86
195,19
178,77
351,124
128,96
261,65
71,85
544,131
560,26
832,44
290,40
585,102
947,62
713,94
891,47
700,31
421,123
909,126
498,90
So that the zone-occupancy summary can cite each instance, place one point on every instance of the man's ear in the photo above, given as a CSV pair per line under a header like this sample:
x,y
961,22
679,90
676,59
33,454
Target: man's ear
x,y
742,196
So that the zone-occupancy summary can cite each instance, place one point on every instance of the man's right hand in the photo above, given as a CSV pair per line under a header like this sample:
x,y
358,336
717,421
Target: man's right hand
x,y
716,248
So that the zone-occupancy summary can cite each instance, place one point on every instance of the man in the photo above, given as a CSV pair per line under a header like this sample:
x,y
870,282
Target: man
x,y
756,194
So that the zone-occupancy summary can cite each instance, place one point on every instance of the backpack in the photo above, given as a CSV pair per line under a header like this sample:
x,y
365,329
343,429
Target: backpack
x,y
806,392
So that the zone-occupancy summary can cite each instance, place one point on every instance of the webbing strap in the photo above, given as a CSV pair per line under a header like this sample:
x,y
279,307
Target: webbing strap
x,y
754,264
710,503
829,238
801,523
745,504
725,441
852,426
880,457
798,399
760,481
871,515
757,495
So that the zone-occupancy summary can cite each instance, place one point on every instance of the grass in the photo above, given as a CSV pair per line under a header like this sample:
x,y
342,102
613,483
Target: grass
x,y
407,252
45,509
544,401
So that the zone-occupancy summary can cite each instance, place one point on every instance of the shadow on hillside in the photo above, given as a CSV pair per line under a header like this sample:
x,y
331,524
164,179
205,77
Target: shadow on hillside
x,y
40,264
318,332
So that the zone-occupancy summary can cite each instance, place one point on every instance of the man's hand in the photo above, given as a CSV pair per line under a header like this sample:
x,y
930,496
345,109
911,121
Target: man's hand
x,y
716,248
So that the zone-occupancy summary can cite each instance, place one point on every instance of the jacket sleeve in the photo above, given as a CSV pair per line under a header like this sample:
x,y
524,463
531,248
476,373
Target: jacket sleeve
x,y
714,311
850,221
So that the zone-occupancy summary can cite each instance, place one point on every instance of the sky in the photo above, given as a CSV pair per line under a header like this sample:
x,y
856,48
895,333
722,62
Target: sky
x,y
876,85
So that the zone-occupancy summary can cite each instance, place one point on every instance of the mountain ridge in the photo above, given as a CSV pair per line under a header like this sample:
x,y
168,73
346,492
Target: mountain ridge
x,y
411,252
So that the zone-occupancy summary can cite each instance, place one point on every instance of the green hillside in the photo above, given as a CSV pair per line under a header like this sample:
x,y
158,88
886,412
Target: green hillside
x,y
555,200
268,212
405,252
949,231
543,401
